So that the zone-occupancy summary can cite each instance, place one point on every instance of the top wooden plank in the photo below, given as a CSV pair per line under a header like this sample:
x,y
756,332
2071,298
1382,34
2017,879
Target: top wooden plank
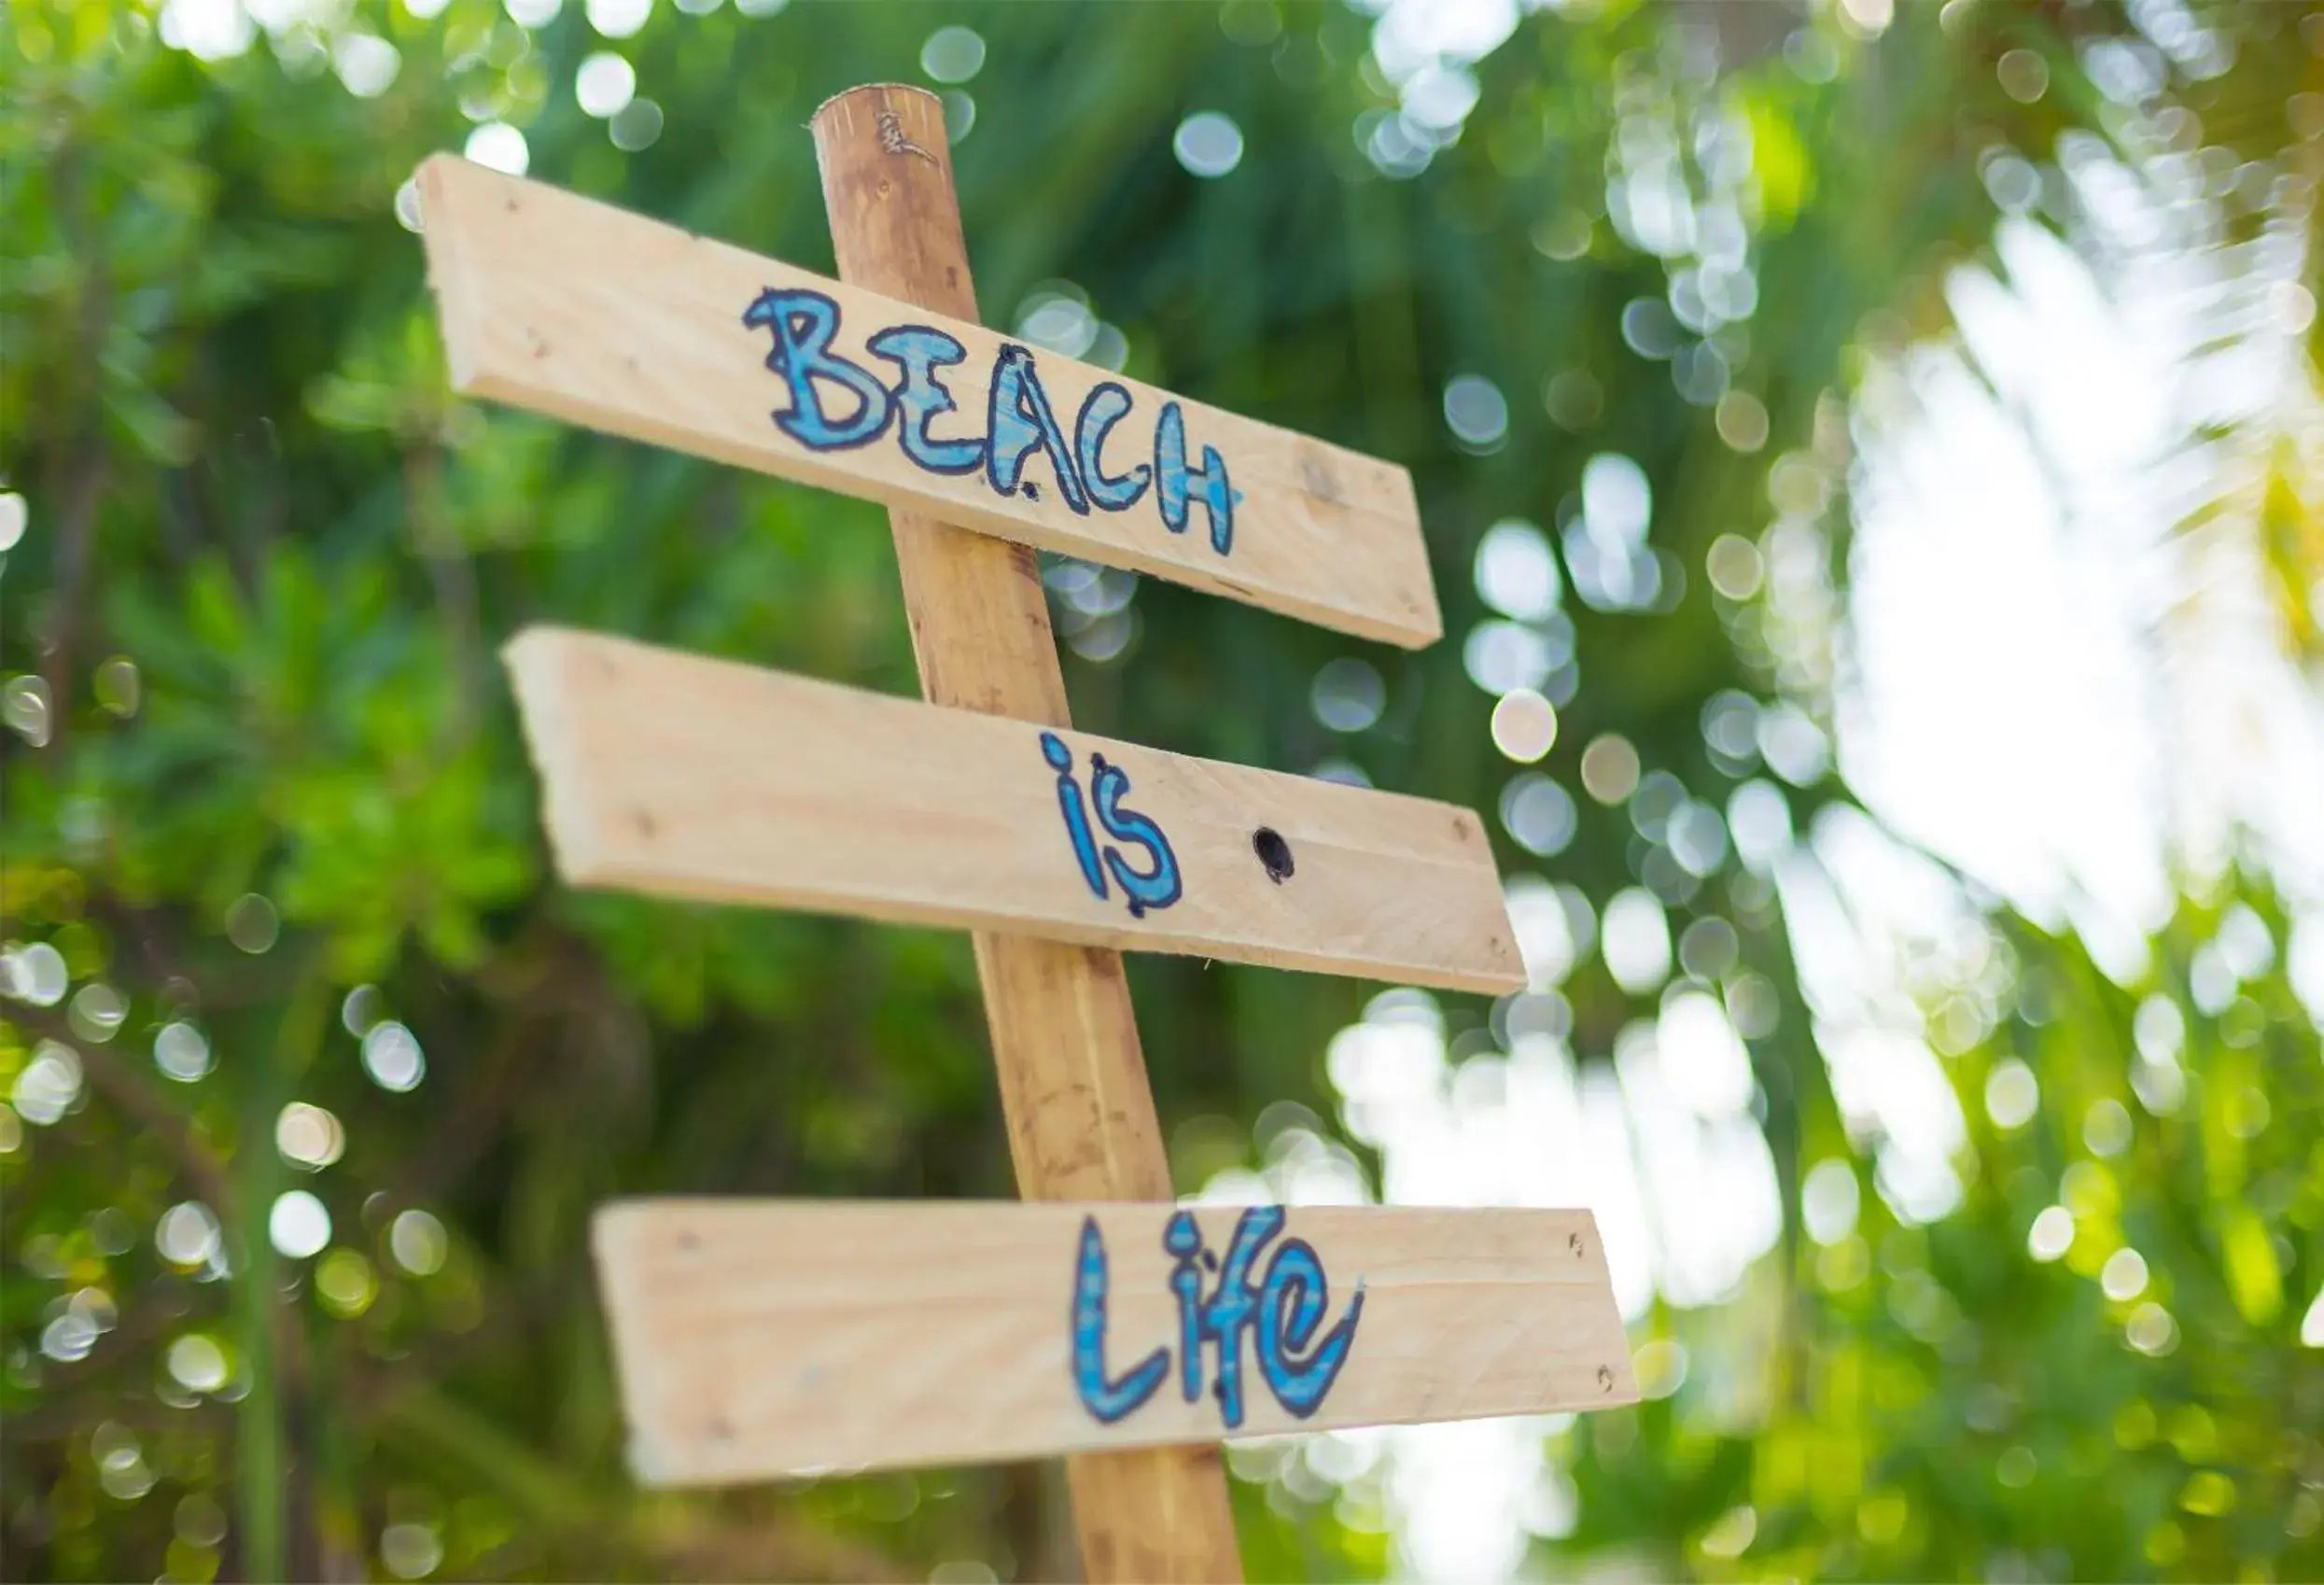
x,y
574,308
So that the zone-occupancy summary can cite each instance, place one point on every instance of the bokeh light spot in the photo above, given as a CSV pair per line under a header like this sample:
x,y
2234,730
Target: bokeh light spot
x,y
1524,725
1538,814
24,706
2011,1094
2125,1275
298,1224
2150,1329
2107,1127
1741,419
1609,768
1830,1198
1564,236
1207,144
181,1052
2024,74
197,1363
1349,695
604,84
2208,1493
960,115
187,1234
366,63
344,1283
392,1057
97,1011
1516,570
34,972
1734,565
2052,1234
417,1241
618,18
1502,656
1634,938
118,688
1572,399
308,1136
500,146
1476,411
953,54
1709,950
634,126
252,924
410,1551
49,1085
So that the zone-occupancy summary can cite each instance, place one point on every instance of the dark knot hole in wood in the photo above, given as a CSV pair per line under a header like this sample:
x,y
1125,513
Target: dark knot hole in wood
x,y
1274,853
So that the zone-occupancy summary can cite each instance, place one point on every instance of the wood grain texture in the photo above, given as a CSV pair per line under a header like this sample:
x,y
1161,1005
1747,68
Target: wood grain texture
x,y
680,775
1072,1076
761,1339
556,302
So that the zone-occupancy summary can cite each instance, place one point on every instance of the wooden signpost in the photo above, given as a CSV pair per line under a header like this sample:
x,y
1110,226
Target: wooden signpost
x,y
1107,1325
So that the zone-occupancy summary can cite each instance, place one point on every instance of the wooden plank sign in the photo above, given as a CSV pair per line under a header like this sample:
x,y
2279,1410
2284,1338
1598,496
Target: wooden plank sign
x,y
685,777
553,301
759,1339
762,1339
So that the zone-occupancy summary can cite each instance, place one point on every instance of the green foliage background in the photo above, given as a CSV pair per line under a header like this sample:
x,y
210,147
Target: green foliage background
x,y
223,394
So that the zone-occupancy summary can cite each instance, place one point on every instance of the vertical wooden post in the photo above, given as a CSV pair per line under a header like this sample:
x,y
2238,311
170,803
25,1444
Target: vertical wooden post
x,y
1080,1116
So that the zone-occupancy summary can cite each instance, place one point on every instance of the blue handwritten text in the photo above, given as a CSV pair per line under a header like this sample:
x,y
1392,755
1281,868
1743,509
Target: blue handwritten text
x,y
1157,886
1283,1311
837,403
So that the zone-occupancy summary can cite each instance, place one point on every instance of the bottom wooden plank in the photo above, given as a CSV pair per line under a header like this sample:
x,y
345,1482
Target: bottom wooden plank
x,y
763,1339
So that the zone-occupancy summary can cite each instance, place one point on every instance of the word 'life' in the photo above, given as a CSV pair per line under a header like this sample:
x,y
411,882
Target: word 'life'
x,y
1282,1312
1155,888
1018,419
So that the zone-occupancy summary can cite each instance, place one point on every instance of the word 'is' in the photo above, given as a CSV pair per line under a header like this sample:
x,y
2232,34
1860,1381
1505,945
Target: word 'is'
x,y
1155,887
1283,1312
1019,420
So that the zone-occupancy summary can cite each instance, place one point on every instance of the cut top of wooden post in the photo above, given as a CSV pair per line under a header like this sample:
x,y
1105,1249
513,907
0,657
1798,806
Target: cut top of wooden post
x,y
553,301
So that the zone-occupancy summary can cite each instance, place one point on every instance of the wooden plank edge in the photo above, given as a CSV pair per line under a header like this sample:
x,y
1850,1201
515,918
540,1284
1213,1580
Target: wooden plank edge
x,y
448,275
537,659
614,1228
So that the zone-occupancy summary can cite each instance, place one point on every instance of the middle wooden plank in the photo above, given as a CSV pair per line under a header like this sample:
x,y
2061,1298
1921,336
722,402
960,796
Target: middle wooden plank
x,y
685,777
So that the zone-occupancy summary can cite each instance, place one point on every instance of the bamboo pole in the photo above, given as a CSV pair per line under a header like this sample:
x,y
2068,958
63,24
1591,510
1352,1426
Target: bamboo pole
x,y
1074,1090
